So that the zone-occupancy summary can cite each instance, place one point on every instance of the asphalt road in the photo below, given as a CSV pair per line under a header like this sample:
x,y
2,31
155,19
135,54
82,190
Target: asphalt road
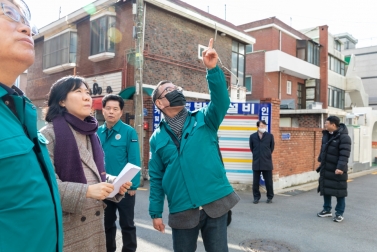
x,y
290,220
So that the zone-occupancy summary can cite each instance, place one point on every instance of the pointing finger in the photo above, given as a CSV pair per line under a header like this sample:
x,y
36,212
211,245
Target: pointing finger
x,y
210,44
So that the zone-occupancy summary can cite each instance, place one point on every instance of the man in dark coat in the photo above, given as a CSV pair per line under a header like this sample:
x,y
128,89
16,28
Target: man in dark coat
x,y
335,151
262,145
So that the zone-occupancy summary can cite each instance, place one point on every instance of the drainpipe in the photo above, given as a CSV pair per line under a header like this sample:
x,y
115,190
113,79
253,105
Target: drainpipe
x,y
74,71
124,70
279,85
280,71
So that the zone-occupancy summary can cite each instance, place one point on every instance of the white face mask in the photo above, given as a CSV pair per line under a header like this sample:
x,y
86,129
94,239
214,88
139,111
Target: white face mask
x,y
262,130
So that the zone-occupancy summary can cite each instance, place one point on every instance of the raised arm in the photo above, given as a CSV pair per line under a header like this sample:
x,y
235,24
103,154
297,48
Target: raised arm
x,y
219,104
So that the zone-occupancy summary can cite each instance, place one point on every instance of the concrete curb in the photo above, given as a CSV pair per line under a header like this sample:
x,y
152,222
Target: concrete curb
x,y
311,185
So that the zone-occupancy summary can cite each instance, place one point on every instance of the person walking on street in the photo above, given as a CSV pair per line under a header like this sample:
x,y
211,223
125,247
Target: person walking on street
x,y
335,151
185,165
30,209
262,145
120,144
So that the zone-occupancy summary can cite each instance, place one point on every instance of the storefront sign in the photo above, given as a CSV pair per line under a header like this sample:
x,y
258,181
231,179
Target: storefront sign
x,y
243,108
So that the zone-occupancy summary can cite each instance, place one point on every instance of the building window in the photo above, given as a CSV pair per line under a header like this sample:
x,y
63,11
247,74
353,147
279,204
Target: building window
x,y
289,87
60,50
249,49
337,45
201,48
249,84
335,97
308,51
300,96
102,35
336,65
311,92
238,63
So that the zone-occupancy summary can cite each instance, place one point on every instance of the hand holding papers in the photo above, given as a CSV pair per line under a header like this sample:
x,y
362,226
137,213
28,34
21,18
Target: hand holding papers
x,y
126,175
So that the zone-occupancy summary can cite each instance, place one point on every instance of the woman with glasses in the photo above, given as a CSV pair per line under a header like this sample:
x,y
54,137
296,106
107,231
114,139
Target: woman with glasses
x,y
78,159
30,210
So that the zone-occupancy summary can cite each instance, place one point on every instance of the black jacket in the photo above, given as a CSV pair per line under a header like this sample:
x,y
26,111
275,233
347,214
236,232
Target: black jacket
x,y
335,151
262,150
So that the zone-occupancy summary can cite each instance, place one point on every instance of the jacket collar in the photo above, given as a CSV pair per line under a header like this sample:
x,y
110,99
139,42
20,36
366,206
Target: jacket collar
x,y
116,127
11,91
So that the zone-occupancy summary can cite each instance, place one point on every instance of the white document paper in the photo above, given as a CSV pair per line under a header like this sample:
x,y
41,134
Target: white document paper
x,y
126,175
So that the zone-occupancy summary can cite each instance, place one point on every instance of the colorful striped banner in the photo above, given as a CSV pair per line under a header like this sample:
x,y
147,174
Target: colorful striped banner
x,y
237,160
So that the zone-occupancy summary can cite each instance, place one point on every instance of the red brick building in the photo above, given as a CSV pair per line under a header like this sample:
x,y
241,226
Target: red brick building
x,y
305,77
97,42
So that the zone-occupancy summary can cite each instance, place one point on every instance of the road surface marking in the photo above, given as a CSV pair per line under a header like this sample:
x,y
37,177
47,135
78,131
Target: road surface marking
x,y
168,231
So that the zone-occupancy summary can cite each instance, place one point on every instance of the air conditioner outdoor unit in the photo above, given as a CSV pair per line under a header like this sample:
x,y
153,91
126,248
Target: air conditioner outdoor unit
x,y
315,105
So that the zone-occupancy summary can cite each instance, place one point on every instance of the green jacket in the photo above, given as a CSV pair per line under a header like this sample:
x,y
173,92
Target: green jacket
x,y
30,210
120,147
195,176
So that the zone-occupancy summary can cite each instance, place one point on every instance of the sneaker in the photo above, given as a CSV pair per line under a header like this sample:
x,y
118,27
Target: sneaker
x,y
324,213
256,201
338,218
269,201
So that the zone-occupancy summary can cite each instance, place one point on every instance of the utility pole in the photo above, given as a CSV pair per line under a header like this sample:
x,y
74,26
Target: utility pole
x,y
225,12
139,62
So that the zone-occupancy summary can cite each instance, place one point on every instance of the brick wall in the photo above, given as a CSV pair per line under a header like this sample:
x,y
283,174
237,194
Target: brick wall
x,y
307,121
255,66
171,50
297,155
39,83
295,81
288,44
266,39
300,153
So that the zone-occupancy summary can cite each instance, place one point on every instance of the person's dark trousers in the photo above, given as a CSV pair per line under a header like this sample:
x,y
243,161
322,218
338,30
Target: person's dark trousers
x,y
126,221
340,204
267,175
214,234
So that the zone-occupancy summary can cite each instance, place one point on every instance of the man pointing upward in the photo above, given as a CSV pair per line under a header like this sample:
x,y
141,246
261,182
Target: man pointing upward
x,y
185,165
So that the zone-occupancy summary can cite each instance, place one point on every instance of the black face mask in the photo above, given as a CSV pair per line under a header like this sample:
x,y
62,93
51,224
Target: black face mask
x,y
176,98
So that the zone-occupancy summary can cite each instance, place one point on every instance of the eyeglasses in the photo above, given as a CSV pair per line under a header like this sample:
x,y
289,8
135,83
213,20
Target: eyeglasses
x,y
168,90
17,17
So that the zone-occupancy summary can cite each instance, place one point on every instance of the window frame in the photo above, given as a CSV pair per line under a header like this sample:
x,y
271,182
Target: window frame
x,y
58,54
201,48
336,97
316,92
336,65
249,46
301,96
308,51
251,84
96,37
337,45
235,70
289,87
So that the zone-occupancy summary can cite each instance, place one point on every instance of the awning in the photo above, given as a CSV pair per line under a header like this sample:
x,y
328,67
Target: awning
x,y
127,93
97,103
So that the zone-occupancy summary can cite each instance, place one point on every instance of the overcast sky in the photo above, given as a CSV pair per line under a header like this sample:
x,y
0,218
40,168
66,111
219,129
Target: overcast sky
x,y
359,18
